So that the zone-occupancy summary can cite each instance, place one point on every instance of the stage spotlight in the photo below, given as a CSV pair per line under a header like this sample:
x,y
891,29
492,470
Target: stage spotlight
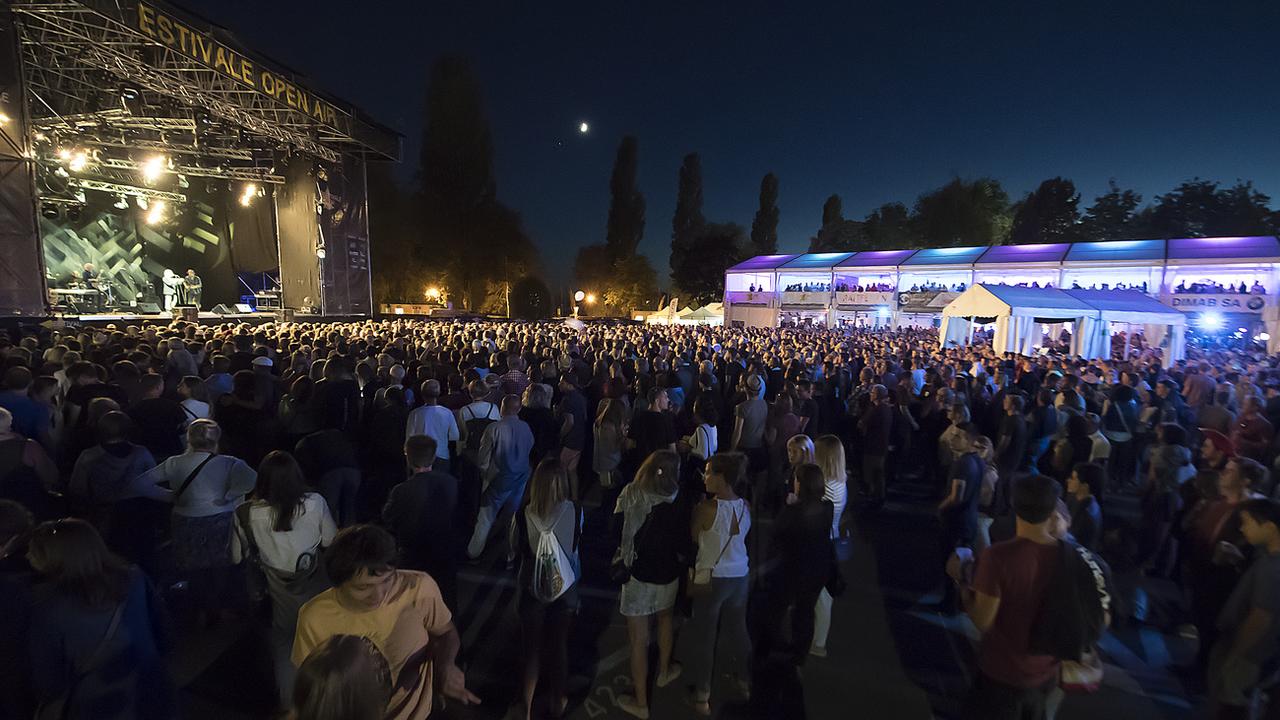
x,y
130,94
64,154
320,252
143,202
246,197
49,211
73,212
155,213
1211,320
4,119
153,168
122,202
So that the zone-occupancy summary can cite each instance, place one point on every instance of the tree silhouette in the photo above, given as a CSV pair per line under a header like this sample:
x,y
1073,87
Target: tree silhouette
x,y
459,210
1050,213
764,228
1112,215
836,233
626,206
716,247
888,227
688,221
1199,208
963,213
530,299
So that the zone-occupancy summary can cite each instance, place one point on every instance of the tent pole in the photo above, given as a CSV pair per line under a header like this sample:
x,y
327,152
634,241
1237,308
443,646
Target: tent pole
x,y
971,319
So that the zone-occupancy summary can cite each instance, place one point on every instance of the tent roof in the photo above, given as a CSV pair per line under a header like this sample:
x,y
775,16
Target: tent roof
x,y
983,300
947,256
877,258
762,262
1224,248
1044,252
1129,306
1116,250
816,261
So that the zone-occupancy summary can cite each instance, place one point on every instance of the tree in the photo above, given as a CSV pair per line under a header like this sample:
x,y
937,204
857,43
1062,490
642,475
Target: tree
x,y
764,228
888,227
1199,208
1050,213
964,213
530,299
396,276
1111,217
463,226
626,206
837,233
688,221
717,247
632,285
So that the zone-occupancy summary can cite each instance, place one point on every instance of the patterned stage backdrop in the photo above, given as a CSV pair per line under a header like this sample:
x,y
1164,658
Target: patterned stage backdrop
x,y
133,255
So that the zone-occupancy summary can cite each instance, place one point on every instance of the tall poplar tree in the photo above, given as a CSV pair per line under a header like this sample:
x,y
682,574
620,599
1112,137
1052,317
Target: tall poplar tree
x,y
764,228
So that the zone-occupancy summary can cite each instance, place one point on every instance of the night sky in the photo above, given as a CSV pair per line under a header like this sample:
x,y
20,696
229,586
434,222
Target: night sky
x,y
877,104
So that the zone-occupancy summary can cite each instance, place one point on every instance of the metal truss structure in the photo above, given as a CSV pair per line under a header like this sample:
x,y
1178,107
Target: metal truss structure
x,y
95,80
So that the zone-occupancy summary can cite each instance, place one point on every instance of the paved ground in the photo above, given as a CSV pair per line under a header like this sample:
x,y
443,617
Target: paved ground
x,y
893,655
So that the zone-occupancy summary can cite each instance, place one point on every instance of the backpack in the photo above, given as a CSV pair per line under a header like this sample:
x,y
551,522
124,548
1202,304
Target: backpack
x,y
662,545
475,431
553,573
1076,603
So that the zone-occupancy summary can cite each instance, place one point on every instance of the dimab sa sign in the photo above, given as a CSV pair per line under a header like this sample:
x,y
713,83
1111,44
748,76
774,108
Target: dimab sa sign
x,y
1221,303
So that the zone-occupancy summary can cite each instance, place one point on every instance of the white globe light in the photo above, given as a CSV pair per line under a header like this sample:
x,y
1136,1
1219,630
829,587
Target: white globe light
x,y
583,128
578,296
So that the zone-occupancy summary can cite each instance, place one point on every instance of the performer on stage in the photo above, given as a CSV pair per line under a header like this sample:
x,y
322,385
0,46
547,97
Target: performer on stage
x,y
192,286
89,274
169,285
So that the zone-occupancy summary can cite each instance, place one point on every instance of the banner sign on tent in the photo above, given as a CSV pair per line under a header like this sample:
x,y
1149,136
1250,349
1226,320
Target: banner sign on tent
x,y
1222,303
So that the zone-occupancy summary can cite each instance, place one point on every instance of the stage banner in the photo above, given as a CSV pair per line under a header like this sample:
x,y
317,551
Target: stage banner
x,y
22,286
299,236
344,228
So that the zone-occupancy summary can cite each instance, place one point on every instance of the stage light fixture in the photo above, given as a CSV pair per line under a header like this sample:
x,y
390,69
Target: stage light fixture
x,y
64,154
155,213
320,253
246,197
143,202
73,212
49,211
122,202
129,94
4,119
153,168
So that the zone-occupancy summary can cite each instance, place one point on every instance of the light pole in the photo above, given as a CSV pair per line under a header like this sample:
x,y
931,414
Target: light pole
x,y
578,297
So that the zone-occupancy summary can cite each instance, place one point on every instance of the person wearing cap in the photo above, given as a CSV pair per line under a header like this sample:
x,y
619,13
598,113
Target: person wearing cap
x,y
434,421
749,419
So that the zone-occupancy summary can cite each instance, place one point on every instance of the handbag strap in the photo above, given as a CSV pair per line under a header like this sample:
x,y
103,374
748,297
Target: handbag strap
x,y
732,532
95,658
187,483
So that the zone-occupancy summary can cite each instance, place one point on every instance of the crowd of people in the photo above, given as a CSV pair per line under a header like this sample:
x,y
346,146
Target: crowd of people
x,y
938,287
1213,287
808,287
1140,287
863,287
344,472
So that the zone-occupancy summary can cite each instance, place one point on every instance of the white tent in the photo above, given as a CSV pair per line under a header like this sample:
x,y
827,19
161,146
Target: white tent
x,y
1017,311
1132,308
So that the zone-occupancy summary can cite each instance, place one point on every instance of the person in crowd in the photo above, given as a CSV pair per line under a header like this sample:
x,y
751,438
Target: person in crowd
x,y
282,530
158,421
422,514
434,421
720,526
400,611
504,465
549,512
1249,624
782,425
345,678
749,419
829,456
205,488
30,417
1073,448
1120,425
640,507
1162,500
575,426
1218,415
609,435
537,413
194,403
1084,486
17,698
799,563
1252,434
1003,600
652,429
98,631
876,426
105,474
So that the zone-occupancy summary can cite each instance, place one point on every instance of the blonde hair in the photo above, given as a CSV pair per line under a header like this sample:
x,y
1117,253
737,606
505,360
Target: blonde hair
x,y
802,445
548,487
659,474
829,455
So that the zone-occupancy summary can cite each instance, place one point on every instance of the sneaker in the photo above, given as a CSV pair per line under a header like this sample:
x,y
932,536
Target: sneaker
x,y
629,705
818,651
668,677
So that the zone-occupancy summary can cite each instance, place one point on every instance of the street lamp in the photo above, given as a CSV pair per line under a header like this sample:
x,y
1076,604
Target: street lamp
x,y
433,293
591,298
578,297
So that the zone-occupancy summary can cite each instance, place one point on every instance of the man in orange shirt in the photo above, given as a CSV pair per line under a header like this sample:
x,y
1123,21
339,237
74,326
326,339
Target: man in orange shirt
x,y
401,611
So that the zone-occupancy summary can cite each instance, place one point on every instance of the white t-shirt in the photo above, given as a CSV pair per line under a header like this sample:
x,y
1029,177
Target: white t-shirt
x,y
195,410
313,526
435,422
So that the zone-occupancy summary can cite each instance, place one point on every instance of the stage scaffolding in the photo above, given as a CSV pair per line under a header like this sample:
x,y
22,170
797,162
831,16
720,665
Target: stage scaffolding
x,y
124,81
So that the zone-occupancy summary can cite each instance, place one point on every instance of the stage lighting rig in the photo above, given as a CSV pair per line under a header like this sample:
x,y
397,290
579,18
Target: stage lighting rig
x,y
155,213
246,196
153,168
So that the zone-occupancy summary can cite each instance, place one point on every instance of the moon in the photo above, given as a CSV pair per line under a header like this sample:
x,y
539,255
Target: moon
x,y
583,127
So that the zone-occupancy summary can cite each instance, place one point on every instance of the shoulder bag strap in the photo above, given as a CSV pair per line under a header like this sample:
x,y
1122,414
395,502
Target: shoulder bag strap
x,y
243,513
95,658
734,528
187,483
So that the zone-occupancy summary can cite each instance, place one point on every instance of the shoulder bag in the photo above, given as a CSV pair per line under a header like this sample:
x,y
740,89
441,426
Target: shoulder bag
x,y
60,707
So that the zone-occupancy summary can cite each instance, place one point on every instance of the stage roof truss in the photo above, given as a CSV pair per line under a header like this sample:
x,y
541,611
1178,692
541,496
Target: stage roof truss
x,y
77,53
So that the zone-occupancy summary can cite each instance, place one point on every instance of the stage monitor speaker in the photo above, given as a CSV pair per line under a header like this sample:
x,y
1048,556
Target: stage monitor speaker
x,y
149,308
221,309
244,308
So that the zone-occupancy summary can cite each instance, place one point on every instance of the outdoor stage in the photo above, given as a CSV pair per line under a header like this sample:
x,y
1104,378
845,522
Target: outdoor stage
x,y
139,141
